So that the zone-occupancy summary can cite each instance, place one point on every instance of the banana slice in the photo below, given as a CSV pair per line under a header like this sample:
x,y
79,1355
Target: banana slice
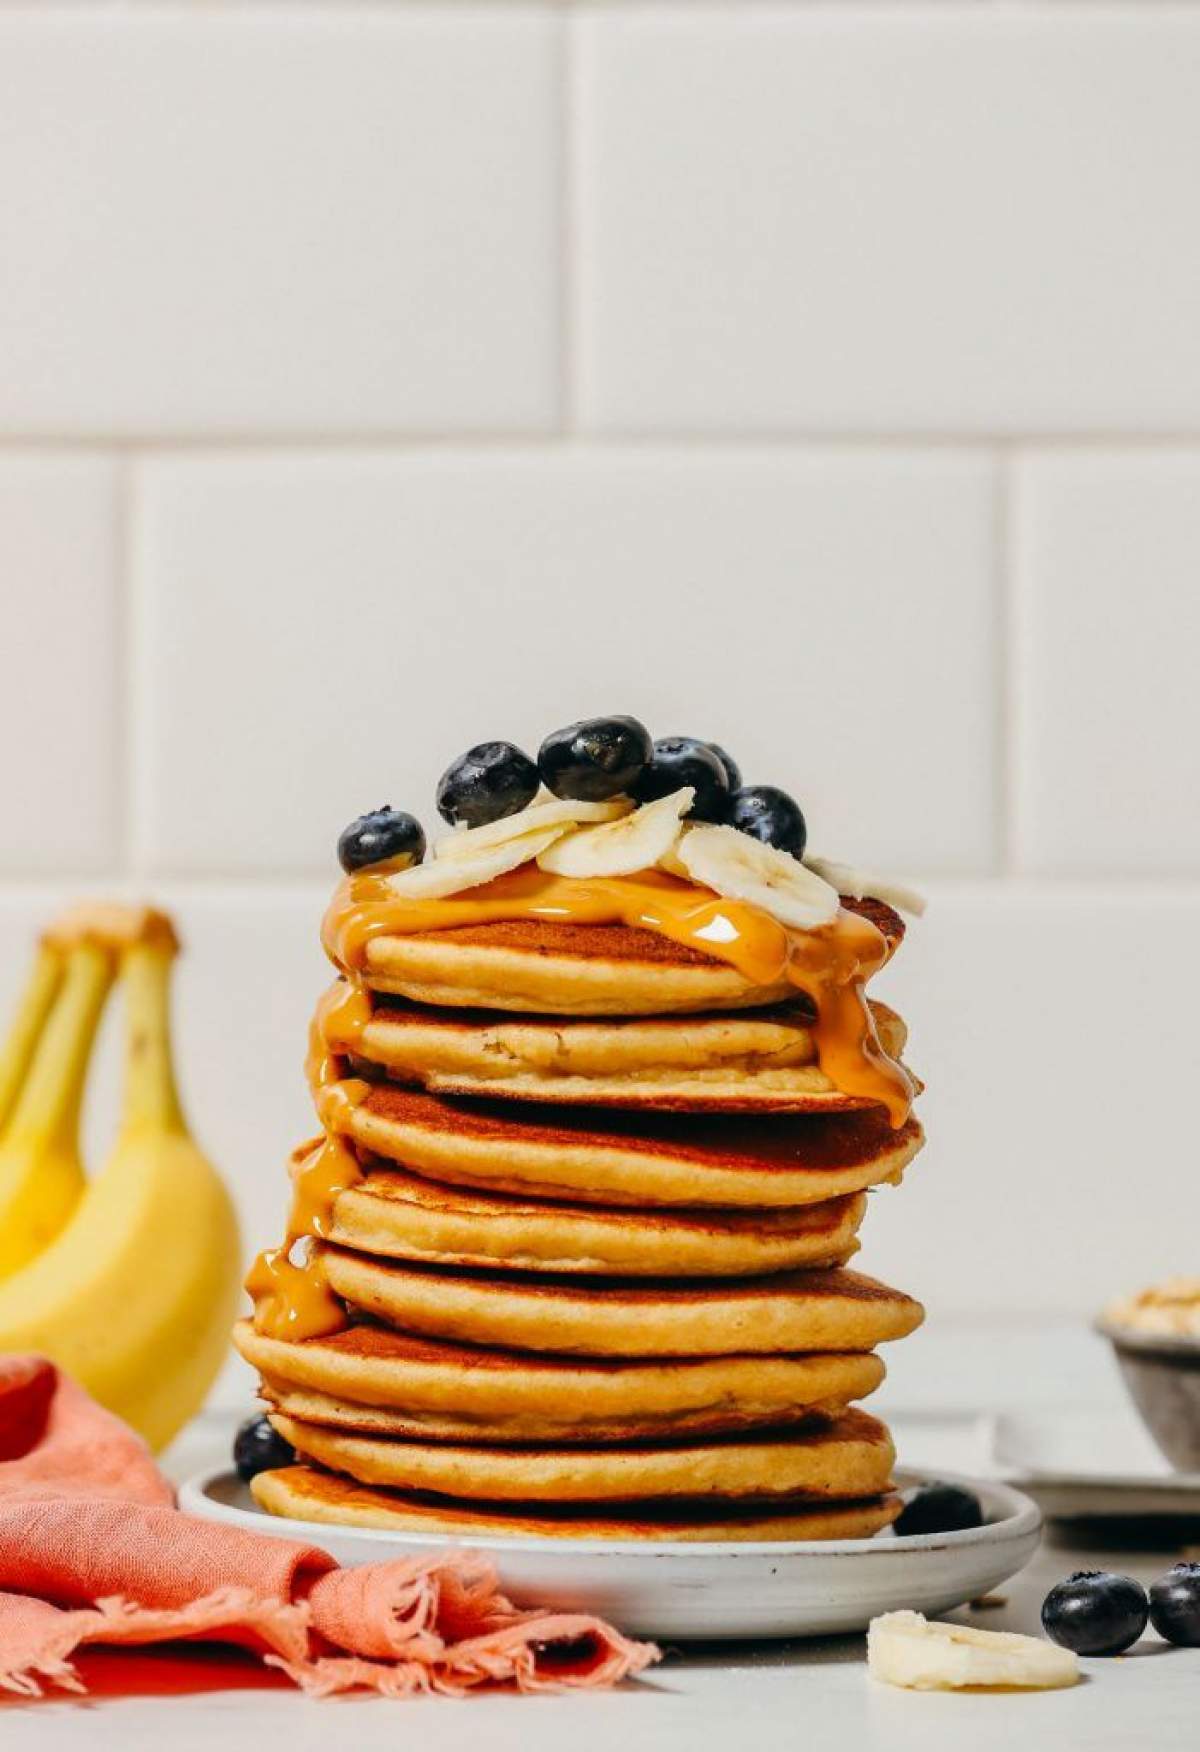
x,y
739,867
903,1648
442,876
859,884
618,848
549,811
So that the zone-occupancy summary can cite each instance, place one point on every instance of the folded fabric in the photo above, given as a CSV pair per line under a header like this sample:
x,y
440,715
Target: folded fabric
x,y
92,1551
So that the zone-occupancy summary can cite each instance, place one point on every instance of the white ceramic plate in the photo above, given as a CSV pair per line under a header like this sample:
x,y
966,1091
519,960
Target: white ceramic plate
x,y
1086,1463
705,1590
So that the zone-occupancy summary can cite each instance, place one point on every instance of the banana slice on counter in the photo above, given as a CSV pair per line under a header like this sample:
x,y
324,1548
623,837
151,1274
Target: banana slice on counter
x,y
619,848
861,884
442,876
559,812
738,867
904,1649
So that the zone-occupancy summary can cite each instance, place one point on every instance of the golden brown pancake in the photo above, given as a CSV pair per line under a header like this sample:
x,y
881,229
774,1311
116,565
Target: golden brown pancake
x,y
650,1159
373,1379
404,1216
758,1061
307,1493
840,1458
574,970
834,1310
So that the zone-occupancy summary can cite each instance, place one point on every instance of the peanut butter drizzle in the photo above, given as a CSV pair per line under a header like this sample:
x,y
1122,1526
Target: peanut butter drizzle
x,y
292,1299
831,965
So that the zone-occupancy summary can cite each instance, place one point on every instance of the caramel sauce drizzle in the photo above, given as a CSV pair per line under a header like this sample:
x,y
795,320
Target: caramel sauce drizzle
x,y
292,1298
831,965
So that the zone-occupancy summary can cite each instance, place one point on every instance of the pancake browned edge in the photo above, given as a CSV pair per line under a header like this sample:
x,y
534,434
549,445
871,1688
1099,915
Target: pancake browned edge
x,y
647,1159
818,1310
405,1216
826,1459
569,969
306,1493
374,1379
749,1062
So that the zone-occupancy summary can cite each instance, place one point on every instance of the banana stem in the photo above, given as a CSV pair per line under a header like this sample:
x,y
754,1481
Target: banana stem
x,y
151,1100
33,1007
47,1109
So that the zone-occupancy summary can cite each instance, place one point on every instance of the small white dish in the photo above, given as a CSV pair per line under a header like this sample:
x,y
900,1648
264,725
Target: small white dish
x,y
1077,1464
817,1588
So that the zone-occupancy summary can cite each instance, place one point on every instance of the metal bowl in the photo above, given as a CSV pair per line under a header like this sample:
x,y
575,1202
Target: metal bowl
x,y
1162,1374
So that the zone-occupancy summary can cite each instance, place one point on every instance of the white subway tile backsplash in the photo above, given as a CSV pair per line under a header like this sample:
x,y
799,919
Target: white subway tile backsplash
x,y
1108,555
1059,1053
960,219
282,219
321,634
59,717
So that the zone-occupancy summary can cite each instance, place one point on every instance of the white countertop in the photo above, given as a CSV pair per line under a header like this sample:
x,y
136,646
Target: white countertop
x,y
813,1694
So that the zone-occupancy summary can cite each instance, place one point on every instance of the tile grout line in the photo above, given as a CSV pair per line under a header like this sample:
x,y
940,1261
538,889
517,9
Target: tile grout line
x,y
569,265
135,702
1012,651
125,617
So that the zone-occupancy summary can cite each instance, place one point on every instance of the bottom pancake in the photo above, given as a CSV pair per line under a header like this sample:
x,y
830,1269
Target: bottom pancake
x,y
305,1493
840,1458
374,1380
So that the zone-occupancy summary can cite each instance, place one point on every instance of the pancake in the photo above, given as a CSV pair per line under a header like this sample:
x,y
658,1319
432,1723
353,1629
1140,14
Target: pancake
x,y
834,1310
760,1061
574,970
841,1458
372,1379
650,1160
306,1493
403,1216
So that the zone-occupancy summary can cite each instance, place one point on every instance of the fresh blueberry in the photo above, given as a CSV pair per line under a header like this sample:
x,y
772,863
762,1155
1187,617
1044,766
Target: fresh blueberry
x,y
258,1447
595,759
682,760
381,833
1175,1605
1095,1612
733,771
769,815
939,1508
491,780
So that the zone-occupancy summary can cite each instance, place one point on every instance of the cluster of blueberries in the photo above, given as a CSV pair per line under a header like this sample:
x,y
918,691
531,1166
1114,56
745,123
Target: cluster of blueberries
x,y
1094,1612
588,762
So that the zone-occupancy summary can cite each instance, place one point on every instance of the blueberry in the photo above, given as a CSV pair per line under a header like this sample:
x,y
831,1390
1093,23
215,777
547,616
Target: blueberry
x,y
379,834
733,771
1175,1605
1095,1612
491,780
258,1447
682,760
769,815
595,759
939,1508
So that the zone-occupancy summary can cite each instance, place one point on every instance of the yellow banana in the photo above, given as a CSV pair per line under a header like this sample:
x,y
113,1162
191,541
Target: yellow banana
x,y
43,1066
136,1295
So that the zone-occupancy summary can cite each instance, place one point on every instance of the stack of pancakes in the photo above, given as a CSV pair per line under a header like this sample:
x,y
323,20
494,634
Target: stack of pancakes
x,y
581,1269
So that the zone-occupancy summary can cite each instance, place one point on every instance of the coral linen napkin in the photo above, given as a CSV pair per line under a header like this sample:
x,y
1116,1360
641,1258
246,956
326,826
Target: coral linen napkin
x,y
92,1551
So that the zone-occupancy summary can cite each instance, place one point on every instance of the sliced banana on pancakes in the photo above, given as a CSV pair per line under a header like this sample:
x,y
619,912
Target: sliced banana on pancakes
x,y
738,867
621,848
470,869
562,813
864,884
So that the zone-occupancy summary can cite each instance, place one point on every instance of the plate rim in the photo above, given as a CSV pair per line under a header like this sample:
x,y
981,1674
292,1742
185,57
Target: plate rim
x,y
1024,1519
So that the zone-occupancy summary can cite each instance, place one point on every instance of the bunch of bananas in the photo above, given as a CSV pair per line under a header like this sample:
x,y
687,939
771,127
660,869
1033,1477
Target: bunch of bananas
x,y
129,1280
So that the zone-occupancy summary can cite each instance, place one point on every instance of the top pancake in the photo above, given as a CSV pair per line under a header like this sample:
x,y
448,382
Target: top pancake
x,y
574,970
